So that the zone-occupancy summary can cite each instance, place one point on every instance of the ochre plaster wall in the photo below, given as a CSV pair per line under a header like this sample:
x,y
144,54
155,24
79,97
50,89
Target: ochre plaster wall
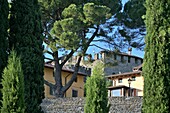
x,y
137,84
79,85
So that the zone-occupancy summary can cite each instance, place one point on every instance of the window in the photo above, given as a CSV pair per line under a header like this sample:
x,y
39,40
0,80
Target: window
x,y
128,59
120,80
115,92
122,58
136,60
115,57
85,78
141,61
133,78
53,73
113,73
74,93
51,91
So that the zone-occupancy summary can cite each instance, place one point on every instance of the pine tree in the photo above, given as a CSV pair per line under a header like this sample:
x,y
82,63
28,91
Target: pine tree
x,y
26,38
96,92
3,36
156,68
13,86
66,32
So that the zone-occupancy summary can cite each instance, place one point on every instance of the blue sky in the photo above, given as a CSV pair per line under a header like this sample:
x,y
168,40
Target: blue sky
x,y
135,51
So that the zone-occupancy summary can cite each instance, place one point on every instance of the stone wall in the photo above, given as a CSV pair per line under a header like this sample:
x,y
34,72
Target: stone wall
x,y
115,62
76,105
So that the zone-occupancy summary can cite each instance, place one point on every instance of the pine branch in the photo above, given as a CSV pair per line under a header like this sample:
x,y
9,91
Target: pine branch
x,y
67,57
48,83
67,86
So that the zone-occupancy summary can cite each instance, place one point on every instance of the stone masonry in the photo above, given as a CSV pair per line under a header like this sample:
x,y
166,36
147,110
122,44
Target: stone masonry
x,y
115,62
76,105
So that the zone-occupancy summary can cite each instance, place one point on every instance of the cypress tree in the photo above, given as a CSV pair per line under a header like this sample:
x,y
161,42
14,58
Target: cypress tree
x,y
156,69
26,38
3,36
13,86
96,92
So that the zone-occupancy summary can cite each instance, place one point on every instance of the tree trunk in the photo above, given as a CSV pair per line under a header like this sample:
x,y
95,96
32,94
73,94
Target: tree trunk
x,y
59,89
58,77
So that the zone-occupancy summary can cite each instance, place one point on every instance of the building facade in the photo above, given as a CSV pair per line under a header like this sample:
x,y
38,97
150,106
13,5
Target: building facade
x,y
127,84
115,62
76,89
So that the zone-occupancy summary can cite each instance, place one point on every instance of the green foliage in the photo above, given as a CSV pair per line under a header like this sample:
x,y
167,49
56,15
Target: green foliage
x,y
69,27
26,38
3,37
52,8
109,83
131,28
95,14
68,31
72,11
156,68
134,10
96,92
13,86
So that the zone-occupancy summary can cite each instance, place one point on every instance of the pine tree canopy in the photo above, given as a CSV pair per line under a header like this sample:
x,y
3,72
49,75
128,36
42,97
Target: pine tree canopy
x,y
68,31
71,27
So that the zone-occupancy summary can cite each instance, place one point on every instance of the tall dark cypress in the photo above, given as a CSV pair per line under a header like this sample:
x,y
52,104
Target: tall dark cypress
x,y
3,36
156,68
26,38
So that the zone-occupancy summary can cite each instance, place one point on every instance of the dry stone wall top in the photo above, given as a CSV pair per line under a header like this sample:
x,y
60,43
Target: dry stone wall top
x,y
76,105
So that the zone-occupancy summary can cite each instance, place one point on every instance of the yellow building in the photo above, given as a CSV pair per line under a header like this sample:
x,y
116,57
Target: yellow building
x,y
127,84
76,89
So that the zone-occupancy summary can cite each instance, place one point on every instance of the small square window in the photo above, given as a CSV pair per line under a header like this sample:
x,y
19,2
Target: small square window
x,y
128,59
120,80
136,60
122,58
115,57
74,93
133,78
51,91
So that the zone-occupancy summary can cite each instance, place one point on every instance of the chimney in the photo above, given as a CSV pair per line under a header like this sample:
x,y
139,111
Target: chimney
x,y
96,56
129,51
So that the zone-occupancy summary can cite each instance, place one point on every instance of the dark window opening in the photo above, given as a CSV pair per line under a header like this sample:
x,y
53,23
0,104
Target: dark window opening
x,y
74,93
141,61
133,78
122,58
128,59
115,57
51,91
53,73
136,60
85,79
113,73
120,80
